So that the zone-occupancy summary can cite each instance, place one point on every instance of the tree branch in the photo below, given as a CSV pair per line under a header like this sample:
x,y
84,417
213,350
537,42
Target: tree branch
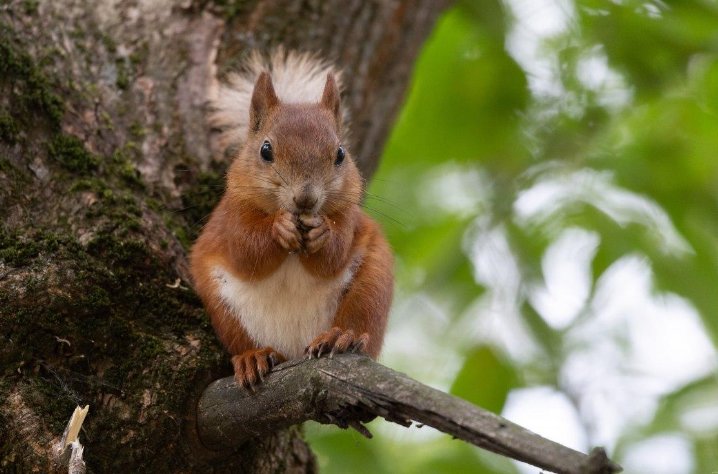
x,y
351,389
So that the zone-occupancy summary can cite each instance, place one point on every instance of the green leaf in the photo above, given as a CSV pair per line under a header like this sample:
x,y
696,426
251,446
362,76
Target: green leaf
x,y
485,379
345,451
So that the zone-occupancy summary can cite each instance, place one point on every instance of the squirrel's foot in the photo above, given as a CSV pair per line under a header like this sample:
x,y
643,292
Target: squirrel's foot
x,y
336,341
315,232
285,231
251,366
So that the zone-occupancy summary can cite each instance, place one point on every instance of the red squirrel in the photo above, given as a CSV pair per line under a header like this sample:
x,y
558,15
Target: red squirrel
x,y
288,264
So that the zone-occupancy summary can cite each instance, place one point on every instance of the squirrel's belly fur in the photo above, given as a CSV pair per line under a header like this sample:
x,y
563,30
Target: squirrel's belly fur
x,y
285,310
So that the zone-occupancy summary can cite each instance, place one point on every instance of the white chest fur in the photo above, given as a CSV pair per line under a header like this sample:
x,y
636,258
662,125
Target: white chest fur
x,y
287,309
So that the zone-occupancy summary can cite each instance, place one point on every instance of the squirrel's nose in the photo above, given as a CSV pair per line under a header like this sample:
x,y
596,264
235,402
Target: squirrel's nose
x,y
305,201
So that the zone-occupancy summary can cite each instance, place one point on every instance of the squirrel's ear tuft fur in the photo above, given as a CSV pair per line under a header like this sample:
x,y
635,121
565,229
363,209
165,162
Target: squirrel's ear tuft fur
x,y
263,100
331,99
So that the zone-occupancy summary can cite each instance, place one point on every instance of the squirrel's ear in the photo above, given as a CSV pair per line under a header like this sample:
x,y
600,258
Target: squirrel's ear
x,y
331,99
263,100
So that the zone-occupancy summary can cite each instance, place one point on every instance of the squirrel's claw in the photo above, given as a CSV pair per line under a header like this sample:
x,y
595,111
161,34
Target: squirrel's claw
x,y
359,344
251,366
308,222
315,232
285,231
336,341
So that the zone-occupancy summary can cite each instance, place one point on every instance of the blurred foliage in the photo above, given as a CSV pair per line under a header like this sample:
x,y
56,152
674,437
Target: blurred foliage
x,y
603,129
484,380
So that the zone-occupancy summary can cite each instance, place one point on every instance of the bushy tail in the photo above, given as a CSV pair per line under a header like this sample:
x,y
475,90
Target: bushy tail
x,y
297,77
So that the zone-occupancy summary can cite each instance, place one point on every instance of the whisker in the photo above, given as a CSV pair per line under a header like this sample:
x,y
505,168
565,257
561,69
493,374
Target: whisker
x,y
385,201
389,181
264,179
215,186
334,178
244,186
201,221
377,211
279,174
385,215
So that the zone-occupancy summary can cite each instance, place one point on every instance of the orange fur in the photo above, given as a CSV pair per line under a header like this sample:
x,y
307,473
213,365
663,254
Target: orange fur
x,y
365,306
259,223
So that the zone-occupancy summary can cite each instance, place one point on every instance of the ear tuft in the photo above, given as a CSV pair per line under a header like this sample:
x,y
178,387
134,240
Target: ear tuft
x,y
331,99
263,100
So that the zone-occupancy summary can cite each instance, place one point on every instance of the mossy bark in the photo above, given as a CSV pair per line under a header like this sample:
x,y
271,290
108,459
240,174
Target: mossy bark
x,y
106,173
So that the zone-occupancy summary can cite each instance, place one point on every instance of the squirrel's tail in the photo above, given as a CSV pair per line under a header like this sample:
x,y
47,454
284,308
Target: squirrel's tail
x,y
297,77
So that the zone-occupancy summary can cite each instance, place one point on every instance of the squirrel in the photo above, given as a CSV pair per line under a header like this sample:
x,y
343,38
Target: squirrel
x,y
288,264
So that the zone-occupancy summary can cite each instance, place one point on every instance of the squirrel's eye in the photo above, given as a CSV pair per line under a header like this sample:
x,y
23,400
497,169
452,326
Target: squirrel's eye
x,y
266,152
340,156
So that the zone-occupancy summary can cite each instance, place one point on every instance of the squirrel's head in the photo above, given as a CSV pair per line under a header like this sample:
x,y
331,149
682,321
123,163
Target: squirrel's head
x,y
294,157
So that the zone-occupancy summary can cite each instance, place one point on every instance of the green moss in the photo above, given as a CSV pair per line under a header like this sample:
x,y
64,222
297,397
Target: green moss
x,y
30,7
98,297
200,198
115,201
138,56
233,8
129,254
118,205
9,130
106,120
109,43
180,233
137,131
17,254
17,250
123,166
27,87
123,75
43,395
109,282
70,152
88,184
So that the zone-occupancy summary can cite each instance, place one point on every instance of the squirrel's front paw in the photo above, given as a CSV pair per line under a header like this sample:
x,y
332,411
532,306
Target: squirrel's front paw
x,y
251,366
315,232
285,231
336,341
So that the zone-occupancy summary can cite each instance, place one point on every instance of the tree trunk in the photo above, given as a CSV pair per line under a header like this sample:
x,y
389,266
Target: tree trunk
x,y
106,174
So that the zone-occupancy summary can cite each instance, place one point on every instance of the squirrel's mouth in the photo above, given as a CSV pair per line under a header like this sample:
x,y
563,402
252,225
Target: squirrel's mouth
x,y
308,200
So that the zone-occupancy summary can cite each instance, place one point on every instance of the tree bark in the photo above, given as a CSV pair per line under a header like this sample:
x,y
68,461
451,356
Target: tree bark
x,y
106,173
